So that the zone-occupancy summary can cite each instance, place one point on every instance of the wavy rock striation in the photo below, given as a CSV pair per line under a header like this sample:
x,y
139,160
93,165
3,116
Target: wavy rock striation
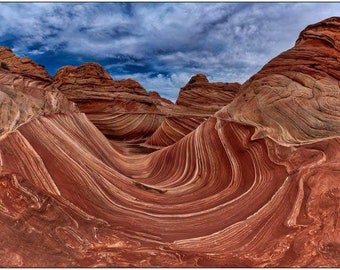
x,y
220,196
198,100
121,109
294,99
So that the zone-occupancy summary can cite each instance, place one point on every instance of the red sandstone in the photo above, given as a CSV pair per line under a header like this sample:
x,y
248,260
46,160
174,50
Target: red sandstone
x,y
254,185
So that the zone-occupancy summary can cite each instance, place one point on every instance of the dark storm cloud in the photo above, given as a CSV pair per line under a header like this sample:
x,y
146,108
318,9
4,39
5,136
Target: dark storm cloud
x,y
159,44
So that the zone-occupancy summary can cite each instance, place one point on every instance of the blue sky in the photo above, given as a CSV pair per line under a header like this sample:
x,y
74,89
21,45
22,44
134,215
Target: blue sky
x,y
161,45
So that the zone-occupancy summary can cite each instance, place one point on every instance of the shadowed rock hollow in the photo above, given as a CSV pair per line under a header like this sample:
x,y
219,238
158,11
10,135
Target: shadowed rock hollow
x,y
254,185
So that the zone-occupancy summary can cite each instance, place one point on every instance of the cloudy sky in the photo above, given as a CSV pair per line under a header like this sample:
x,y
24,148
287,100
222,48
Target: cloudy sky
x,y
161,45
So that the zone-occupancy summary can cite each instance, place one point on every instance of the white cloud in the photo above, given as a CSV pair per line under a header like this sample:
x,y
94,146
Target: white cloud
x,y
168,86
226,41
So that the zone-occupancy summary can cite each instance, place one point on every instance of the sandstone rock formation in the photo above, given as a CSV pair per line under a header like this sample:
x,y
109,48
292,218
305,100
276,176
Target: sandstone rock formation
x,y
27,94
198,100
121,109
221,196
23,66
294,99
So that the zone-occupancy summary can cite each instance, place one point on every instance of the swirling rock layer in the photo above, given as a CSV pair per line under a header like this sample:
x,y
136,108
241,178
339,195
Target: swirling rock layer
x,y
275,204
294,99
198,100
217,197
121,109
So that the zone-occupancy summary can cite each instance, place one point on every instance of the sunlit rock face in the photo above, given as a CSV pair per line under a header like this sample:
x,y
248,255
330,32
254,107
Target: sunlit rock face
x,y
24,97
122,110
197,100
23,66
294,99
221,196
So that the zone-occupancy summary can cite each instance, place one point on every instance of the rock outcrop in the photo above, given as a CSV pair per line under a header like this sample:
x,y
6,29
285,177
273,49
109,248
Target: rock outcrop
x,y
222,196
26,92
198,100
294,99
23,66
122,110
203,96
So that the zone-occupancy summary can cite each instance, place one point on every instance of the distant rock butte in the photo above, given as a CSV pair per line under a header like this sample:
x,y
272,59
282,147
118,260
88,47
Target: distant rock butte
x,y
198,100
201,95
254,185
121,109
79,82
294,99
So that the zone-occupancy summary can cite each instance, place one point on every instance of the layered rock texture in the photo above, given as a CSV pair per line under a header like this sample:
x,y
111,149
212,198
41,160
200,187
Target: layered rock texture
x,y
294,99
26,92
122,110
254,185
198,100
23,66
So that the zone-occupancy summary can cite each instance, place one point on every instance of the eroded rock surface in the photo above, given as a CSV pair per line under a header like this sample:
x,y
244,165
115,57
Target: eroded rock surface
x,y
21,65
121,109
222,196
294,99
23,98
198,100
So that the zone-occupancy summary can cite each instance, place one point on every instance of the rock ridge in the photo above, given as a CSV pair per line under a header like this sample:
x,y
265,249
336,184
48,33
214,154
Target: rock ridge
x,y
121,109
196,101
294,98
